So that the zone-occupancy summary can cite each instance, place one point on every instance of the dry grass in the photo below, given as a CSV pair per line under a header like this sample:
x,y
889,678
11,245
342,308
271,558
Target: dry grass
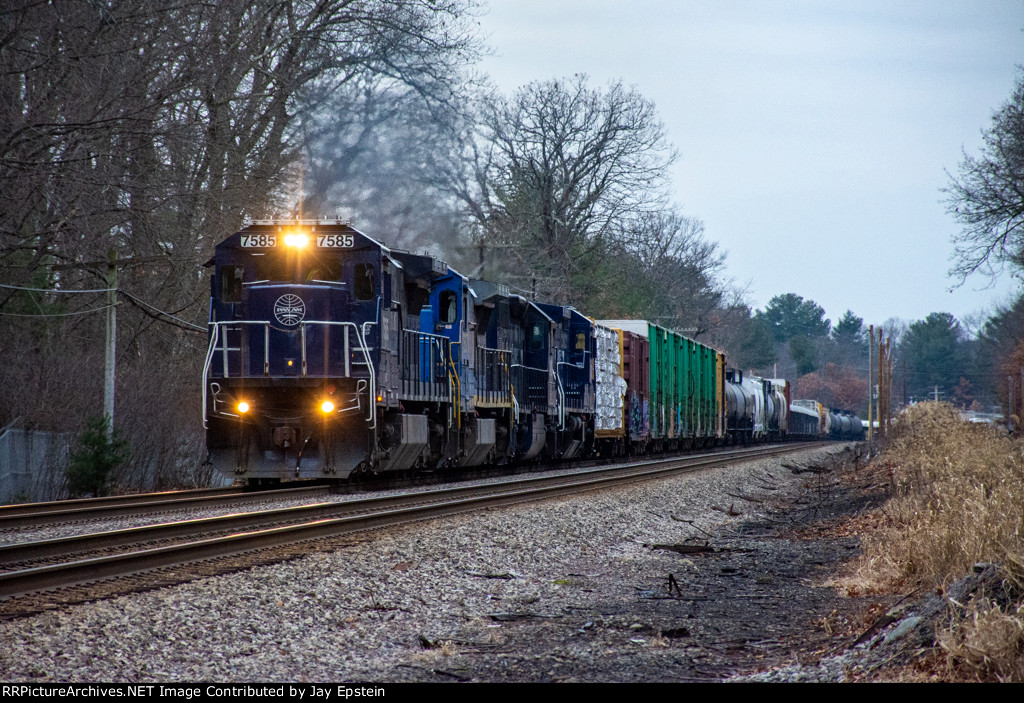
x,y
958,499
986,644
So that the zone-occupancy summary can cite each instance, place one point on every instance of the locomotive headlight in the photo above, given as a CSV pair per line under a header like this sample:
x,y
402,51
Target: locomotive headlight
x,y
327,406
296,240
243,407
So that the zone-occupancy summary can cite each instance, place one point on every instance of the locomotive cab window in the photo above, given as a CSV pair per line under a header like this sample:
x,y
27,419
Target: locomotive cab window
x,y
536,340
365,287
231,283
327,268
447,306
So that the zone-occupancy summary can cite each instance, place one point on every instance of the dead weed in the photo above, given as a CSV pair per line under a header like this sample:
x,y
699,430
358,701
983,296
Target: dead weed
x,y
957,492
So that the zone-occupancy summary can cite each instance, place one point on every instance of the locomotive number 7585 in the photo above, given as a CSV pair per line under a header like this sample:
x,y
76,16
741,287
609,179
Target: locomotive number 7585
x,y
259,241
342,241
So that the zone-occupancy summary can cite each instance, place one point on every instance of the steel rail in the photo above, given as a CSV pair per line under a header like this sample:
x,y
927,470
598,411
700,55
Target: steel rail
x,y
140,504
70,546
23,508
391,511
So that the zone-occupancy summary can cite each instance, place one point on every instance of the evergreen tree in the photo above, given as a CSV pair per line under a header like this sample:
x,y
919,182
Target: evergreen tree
x,y
849,334
791,316
937,354
99,453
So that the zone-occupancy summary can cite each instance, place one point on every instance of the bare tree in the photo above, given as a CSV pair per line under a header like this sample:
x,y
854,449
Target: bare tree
x,y
156,128
987,198
681,270
561,169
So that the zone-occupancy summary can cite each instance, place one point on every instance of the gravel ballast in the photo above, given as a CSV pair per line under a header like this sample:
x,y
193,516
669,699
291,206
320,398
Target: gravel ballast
x,y
592,588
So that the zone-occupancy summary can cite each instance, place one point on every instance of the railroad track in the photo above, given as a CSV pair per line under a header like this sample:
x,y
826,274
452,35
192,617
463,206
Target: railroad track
x,y
63,511
189,541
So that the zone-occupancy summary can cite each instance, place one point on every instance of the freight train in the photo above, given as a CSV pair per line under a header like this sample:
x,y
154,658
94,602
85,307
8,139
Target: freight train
x,y
331,355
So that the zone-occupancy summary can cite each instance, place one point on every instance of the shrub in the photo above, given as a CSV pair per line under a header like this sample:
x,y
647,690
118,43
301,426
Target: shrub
x,y
90,467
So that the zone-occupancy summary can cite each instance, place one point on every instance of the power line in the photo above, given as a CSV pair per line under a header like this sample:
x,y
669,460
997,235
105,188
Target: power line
x,y
178,322
55,290
58,314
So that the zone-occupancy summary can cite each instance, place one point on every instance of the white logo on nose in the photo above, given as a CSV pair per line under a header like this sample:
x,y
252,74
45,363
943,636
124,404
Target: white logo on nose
x,y
289,310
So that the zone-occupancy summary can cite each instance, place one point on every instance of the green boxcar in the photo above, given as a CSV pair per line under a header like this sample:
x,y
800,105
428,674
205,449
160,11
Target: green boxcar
x,y
685,402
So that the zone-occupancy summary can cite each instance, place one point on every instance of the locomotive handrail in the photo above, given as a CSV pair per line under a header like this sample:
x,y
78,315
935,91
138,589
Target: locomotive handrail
x,y
372,419
561,401
215,336
266,342
453,379
206,369
492,374
546,373
435,337
561,392
212,349
439,341
528,368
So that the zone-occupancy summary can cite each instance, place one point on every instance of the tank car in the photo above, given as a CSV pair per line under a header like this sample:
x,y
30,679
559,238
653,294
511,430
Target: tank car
x,y
845,425
809,419
750,406
778,420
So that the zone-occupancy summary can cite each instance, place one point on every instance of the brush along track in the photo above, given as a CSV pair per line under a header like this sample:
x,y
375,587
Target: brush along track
x,y
317,524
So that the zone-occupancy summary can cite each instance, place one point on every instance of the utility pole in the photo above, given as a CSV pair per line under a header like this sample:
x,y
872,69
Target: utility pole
x,y
111,343
884,385
884,409
878,408
1022,389
1011,406
1022,386
871,379
888,382
904,360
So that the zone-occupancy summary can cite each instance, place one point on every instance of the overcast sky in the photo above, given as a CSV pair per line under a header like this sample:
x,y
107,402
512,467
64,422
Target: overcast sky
x,y
814,136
